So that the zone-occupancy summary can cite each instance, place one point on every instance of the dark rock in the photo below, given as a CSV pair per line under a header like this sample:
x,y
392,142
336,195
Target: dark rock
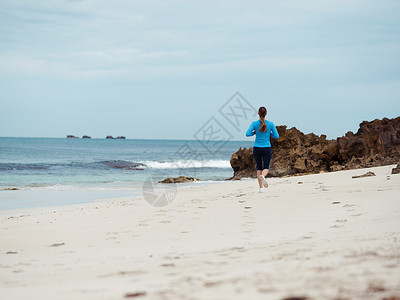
x,y
396,170
70,136
180,179
109,137
86,137
121,138
243,163
368,174
376,143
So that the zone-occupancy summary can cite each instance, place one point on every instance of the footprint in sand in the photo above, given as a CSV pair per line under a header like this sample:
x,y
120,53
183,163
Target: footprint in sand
x,y
172,257
322,188
341,221
57,245
135,295
197,201
167,265
159,215
336,226
266,290
238,249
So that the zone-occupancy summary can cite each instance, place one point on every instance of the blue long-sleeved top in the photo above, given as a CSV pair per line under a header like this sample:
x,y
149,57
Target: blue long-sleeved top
x,y
262,138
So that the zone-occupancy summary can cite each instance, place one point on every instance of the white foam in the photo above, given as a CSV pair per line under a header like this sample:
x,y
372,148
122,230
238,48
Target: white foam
x,y
67,187
186,164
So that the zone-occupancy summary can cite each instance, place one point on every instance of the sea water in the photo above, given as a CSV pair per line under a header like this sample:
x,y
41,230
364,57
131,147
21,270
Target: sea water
x,y
51,171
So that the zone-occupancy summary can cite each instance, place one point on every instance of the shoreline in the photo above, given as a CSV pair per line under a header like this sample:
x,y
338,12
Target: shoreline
x,y
321,236
85,195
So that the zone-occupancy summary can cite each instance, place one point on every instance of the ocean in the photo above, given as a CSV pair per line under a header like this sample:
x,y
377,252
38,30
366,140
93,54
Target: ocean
x,y
59,171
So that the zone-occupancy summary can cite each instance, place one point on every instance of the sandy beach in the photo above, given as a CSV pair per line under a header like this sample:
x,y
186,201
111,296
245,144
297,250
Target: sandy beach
x,y
323,236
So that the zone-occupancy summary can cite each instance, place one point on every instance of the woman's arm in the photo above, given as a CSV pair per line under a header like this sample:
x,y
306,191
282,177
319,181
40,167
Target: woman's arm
x,y
274,132
250,131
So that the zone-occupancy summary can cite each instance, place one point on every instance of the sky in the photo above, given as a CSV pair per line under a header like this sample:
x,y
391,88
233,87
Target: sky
x,y
161,69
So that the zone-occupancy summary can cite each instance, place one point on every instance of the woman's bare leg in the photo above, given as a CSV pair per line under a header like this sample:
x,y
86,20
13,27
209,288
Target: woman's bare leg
x,y
264,172
259,172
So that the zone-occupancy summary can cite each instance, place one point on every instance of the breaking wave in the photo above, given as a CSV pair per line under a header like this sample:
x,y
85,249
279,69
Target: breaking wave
x,y
186,164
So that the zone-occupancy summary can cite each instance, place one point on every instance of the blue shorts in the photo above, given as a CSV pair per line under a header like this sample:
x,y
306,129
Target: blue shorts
x,y
262,156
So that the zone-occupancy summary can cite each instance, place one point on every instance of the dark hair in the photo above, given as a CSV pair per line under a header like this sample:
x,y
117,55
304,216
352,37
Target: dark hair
x,y
262,112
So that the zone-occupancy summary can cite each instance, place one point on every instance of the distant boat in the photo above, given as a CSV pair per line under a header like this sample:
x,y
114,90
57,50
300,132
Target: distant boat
x,y
86,137
70,136
121,137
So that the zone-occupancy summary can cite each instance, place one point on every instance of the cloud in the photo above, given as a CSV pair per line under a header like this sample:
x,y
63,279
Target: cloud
x,y
296,51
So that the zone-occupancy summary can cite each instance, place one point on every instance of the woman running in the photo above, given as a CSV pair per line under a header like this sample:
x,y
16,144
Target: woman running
x,y
263,129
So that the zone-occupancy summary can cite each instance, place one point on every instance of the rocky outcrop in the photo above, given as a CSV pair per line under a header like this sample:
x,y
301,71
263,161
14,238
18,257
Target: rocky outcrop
x,y
376,143
121,138
109,137
70,136
368,174
396,170
86,137
10,189
243,164
180,179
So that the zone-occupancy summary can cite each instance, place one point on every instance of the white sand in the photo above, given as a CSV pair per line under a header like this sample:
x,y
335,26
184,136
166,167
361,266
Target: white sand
x,y
222,241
